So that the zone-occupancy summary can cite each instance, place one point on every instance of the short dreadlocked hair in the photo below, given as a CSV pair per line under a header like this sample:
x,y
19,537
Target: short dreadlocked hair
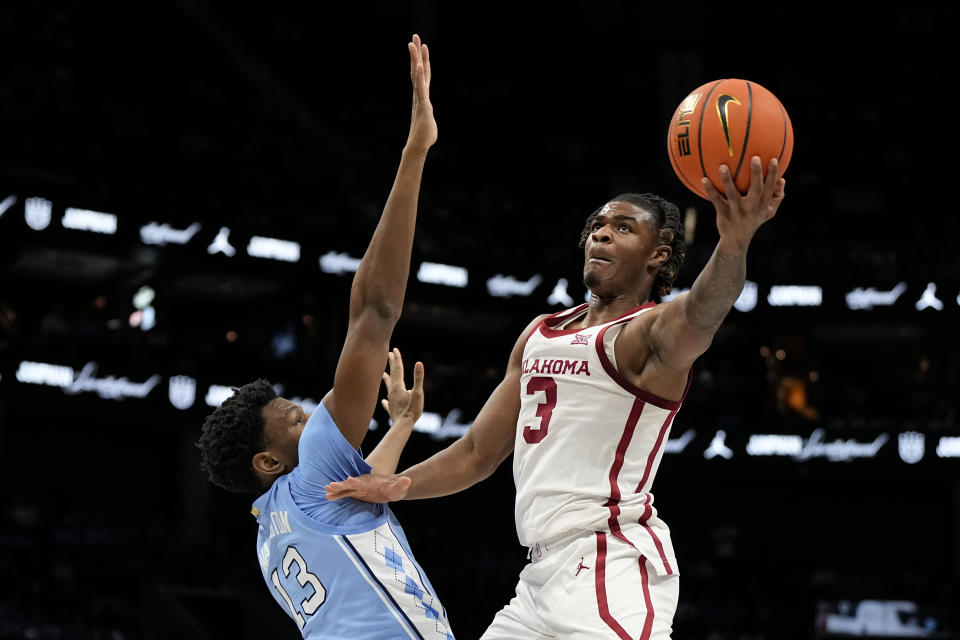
x,y
670,226
233,434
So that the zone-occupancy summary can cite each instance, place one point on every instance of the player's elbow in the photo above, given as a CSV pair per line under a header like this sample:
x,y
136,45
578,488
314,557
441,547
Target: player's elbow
x,y
480,470
481,461
376,310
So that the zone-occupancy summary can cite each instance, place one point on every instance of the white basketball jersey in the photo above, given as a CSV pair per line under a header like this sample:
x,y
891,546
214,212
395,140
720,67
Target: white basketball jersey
x,y
588,442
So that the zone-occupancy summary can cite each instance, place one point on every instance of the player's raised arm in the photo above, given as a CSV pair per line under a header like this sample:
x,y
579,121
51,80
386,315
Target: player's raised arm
x,y
376,296
685,328
470,459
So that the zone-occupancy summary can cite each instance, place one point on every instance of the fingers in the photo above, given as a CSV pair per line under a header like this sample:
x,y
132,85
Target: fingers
x,y
729,188
385,404
776,198
420,73
781,188
418,377
417,63
396,366
773,176
756,175
338,490
414,59
712,194
381,490
426,64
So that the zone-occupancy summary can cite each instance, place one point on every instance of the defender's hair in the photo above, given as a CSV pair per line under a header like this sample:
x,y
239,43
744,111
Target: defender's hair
x,y
670,226
233,434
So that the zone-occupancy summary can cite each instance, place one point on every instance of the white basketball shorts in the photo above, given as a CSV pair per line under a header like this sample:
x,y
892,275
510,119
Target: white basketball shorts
x,y
594,586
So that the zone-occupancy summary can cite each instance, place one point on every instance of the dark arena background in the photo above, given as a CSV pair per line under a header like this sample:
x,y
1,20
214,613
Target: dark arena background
x,y
186,188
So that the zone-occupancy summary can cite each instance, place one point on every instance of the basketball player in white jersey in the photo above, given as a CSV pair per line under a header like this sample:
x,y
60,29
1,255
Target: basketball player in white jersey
x,y
586,407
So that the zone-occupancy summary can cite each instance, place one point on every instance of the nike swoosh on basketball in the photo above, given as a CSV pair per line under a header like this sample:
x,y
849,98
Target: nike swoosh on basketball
x,y
723,100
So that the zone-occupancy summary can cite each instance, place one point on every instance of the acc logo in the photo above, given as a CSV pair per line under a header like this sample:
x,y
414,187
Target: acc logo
x,y
182,391
911,446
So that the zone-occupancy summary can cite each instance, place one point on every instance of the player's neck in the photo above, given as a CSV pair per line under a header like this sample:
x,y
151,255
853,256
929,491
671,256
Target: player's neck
x,y
603,310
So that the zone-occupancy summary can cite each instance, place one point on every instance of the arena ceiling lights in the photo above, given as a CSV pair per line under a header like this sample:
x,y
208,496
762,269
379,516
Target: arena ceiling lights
x,y
39,213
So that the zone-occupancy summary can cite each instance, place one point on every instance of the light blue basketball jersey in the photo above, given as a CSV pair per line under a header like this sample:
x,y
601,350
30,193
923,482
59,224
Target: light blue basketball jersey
x,y
341,569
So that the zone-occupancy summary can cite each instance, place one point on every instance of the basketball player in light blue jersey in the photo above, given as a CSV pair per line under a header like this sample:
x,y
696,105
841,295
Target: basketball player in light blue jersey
x,y
341,570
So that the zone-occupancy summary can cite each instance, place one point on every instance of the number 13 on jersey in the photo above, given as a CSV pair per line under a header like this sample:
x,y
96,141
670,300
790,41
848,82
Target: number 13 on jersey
x,y
309,604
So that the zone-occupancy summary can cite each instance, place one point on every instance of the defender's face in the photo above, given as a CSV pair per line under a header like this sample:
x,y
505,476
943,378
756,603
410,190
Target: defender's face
x,y
618,249
283,425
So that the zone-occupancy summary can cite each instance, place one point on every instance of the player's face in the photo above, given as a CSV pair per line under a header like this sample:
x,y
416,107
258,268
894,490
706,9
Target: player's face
x,y
284,422
619,248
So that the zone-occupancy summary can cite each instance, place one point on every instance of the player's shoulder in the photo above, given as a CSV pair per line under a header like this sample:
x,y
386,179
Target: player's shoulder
x,y
521,341
651,310
558,316
533,324
644,318
539,318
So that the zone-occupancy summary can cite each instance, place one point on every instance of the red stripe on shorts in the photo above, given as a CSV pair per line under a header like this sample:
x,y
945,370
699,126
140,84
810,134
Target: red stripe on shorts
x,y
656,541
600,576
648,623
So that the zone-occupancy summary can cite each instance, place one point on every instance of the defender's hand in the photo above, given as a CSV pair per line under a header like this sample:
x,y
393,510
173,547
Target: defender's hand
x,y
400,401
370,488
739,216
423,128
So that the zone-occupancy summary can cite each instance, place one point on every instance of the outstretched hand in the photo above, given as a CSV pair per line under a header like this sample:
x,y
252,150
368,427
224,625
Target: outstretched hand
x,y
370,488
423,127
400,401
739,216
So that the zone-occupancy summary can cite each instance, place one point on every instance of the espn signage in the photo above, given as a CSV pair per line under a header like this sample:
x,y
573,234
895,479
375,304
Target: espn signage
x,y
911,446
85,380
183,392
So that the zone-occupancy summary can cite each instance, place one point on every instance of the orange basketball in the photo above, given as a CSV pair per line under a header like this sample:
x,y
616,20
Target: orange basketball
x,y
727,122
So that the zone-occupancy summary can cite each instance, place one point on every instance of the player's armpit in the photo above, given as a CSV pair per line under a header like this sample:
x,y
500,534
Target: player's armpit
x,y
656,349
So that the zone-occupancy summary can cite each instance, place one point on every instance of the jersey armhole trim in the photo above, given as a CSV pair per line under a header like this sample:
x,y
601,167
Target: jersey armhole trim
x,y
620,379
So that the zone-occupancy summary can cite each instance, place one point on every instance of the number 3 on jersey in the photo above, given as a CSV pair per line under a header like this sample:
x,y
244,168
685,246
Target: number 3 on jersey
x,y
533,435
304,577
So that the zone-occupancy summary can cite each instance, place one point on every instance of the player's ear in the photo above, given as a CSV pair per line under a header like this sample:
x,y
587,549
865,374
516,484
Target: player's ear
x,y
266,463
660,256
